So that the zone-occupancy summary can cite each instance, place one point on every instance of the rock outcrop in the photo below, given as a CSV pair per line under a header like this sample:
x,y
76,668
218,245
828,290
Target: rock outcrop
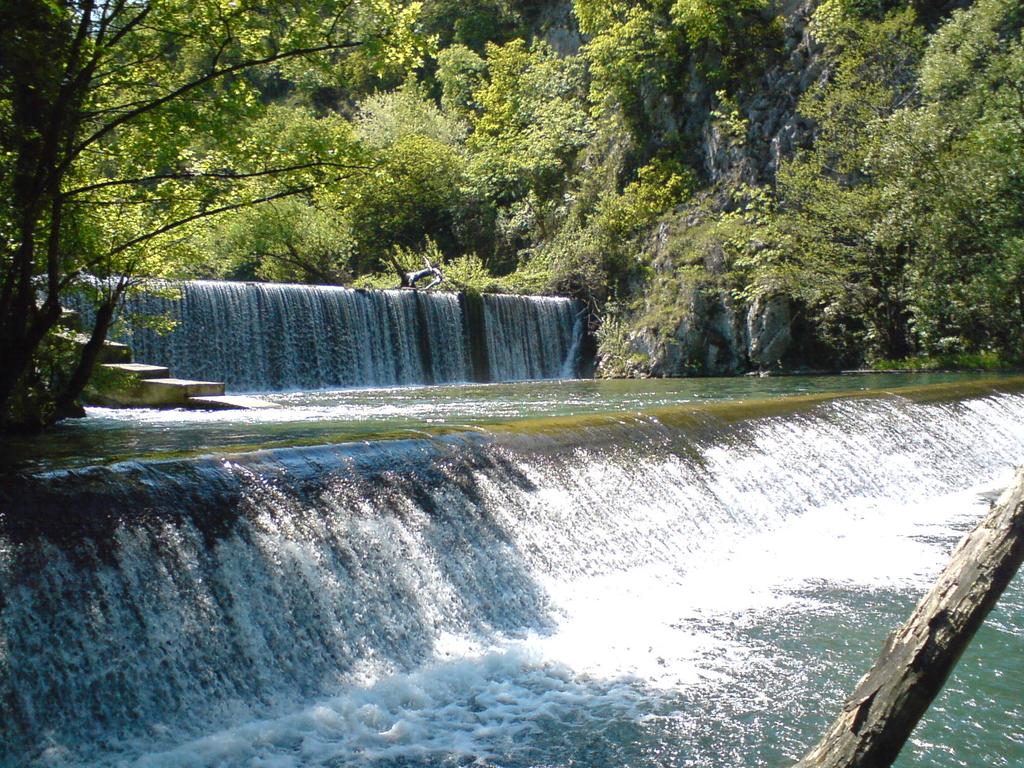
x,y
769,331
715,333
718,337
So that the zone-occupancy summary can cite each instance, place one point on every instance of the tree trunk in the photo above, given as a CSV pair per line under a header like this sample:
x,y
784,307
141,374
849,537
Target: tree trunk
x,y
67,399
918,657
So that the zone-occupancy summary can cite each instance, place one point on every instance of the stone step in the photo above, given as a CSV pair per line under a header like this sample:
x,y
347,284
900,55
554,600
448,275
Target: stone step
x,y
114,352
70,318
110,352
159,392
169,391
229,403
141,370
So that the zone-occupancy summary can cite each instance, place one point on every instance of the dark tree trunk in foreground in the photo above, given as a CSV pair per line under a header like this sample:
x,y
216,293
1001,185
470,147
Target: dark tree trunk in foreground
x,y
918,657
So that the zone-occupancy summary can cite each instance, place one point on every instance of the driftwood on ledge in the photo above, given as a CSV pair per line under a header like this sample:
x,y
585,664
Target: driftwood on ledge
x,y
918,657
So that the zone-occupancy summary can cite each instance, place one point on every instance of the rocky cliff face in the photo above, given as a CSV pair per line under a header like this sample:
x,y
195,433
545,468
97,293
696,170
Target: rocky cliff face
x,y
774,129
719,338
711,332
556,25
714,333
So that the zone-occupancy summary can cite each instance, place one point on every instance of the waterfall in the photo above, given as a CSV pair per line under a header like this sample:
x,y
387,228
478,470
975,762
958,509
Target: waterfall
x,y
266,337
290,596
531,337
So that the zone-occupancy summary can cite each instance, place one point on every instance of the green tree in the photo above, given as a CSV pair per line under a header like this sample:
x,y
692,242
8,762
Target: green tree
x,y
644,56
122,129
836,221
420,185
472,23
417,188
953,172
531,123
901,227
460,71
292,240
386,118
635,52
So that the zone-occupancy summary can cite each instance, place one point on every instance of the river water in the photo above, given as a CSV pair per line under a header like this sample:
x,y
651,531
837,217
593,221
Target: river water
x,y
688,573
318,416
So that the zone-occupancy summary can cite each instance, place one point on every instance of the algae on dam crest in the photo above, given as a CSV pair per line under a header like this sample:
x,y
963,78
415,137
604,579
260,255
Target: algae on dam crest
x,y
313,418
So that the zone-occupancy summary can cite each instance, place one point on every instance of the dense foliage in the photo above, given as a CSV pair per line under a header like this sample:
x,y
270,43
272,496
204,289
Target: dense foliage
x,y
896,230
902,225
127,123
535,146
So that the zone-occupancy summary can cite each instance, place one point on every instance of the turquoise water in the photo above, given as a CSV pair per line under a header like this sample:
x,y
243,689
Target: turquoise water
x,y
343,415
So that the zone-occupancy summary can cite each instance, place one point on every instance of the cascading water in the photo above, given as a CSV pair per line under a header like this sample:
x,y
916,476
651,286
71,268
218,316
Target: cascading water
x,y
531,337
265,337
622,591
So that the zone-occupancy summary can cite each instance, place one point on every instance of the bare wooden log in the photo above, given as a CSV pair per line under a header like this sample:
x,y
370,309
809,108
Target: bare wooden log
x,y
918,657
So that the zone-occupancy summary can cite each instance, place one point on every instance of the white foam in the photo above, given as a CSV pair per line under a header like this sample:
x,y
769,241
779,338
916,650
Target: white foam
x,y
527,602
619,637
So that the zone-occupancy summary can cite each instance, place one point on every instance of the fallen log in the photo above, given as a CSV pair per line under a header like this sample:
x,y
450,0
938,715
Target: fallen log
x,y
918,657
